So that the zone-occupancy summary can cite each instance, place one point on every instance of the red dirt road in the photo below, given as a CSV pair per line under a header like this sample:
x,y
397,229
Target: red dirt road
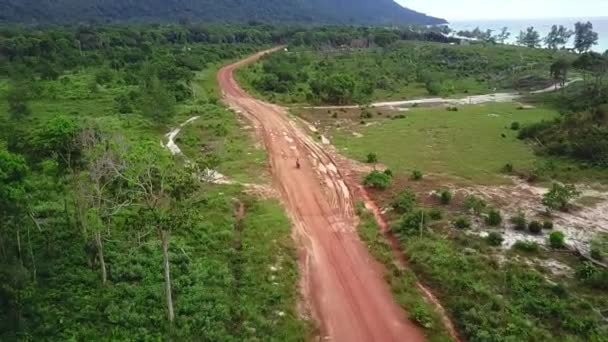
x,y
342,282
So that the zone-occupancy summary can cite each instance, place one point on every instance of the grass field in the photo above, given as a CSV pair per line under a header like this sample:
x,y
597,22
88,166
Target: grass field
x,y
467,144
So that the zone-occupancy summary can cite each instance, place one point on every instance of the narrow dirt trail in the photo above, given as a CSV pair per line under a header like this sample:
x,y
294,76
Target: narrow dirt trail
x,y
343,283
469,100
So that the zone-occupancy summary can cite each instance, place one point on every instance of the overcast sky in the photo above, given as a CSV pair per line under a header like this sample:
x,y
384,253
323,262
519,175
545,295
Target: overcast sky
x,y
508,9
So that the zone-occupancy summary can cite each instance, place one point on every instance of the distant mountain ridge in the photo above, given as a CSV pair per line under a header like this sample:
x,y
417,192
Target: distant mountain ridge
x,y
372,12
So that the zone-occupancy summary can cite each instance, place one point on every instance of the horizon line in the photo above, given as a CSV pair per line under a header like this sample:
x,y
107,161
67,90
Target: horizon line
x,y
527,18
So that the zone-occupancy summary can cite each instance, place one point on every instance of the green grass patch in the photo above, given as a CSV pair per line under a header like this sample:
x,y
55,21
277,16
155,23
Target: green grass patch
x,y
467,144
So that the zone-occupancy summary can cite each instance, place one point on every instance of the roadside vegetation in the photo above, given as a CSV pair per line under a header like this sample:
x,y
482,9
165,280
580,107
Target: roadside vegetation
x,y
404,70
490,292
403,281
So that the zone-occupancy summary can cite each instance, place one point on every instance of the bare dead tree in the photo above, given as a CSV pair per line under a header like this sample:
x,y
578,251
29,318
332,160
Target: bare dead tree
x,y
101,193
164,189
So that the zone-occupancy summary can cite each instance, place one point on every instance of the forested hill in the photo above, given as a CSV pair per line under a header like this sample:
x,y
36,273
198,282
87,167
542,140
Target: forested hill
x,y
378,12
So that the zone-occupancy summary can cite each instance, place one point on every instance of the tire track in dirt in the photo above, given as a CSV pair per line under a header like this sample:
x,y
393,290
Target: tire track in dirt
x,y
342,282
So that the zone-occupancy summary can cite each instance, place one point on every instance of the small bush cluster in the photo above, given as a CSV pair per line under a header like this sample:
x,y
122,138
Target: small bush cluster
x,y
519,221
527,246
535,227
371,158
444,195
494,218
378,180
495,239
405,202
557,240
413,223
462,222
474,204
435,214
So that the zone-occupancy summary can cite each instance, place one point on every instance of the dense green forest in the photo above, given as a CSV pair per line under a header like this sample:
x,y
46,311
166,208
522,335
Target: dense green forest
x,y
97,220
294,11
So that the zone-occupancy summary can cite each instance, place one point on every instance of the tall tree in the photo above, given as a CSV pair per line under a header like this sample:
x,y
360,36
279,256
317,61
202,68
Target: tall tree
x,y
157,103
529,38
58,138
101,189
13,271
584,36
503,36
165,189
17,98
559,72
13,171
557,37
594,66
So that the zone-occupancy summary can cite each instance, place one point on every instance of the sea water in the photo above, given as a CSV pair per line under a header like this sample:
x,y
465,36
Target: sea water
x,y
543,26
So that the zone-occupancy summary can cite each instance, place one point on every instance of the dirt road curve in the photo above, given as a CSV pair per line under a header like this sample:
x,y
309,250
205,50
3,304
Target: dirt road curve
x,y
344,284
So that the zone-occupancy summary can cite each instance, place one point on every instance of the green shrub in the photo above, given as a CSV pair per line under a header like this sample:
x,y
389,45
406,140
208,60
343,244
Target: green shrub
x,y
435,214
475,204
547,225
495,239
585,271
417,175
519,221
405,202
388,172
334,115
535,227
445,196
422,315
462,222
598,280
515,126
434,88
494,218
413,223
366,114
527,246
360,208
596,254
557,240
377,180
508,168
372,158
559,197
